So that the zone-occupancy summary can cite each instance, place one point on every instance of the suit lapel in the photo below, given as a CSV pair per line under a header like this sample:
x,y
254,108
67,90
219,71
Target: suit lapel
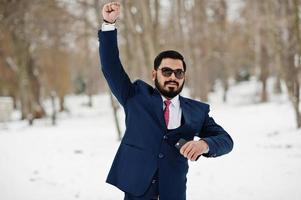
x,y
186,110
157,106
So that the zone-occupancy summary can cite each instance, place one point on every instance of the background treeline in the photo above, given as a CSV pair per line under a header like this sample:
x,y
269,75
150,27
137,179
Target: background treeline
x,y
49,47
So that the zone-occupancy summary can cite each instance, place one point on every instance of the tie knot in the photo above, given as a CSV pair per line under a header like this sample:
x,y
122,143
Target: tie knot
x,y
167,103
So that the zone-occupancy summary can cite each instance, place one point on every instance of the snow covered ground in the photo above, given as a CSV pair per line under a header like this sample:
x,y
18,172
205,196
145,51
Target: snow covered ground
x,y
71,160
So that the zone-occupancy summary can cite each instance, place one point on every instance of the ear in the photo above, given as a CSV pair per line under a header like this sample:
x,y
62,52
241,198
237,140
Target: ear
x,y
154,72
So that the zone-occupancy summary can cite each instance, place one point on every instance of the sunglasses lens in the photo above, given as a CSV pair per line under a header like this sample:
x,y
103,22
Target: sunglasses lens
x,y
179,74
167,72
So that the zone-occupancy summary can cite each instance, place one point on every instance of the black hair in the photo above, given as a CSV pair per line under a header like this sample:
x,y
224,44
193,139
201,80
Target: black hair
x,y
168,54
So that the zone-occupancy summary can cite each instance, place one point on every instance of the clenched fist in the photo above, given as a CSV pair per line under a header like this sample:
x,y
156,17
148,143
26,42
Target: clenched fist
x,y
192,149
111,11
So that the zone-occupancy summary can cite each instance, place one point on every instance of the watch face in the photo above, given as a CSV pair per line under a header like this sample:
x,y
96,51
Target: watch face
x,y
180,143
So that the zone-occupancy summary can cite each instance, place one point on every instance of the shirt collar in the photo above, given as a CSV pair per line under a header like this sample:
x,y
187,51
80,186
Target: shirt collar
x,y
174,101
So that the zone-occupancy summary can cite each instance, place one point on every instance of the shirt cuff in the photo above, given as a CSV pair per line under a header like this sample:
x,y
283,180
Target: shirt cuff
x,y
107,27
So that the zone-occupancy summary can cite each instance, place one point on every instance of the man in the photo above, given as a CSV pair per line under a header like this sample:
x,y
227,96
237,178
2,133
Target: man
x,y
148,164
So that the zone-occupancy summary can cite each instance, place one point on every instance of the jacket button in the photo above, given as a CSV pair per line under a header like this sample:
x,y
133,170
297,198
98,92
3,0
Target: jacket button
x,y
161,155
165,137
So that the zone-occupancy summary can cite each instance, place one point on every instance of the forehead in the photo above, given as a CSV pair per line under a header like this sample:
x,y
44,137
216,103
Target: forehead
x,y
172,63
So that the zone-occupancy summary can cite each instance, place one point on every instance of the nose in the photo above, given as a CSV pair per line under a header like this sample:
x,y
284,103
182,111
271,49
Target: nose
x,y
173,76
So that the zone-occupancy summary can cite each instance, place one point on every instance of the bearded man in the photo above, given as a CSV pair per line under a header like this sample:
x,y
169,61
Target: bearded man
x,y
161,126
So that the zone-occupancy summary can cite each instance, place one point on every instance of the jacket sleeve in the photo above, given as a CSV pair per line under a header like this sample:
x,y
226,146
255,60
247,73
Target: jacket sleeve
x,y
111,66
218,140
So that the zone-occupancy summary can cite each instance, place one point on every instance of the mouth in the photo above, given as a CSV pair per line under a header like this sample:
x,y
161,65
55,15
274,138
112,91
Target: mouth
x,y
171,84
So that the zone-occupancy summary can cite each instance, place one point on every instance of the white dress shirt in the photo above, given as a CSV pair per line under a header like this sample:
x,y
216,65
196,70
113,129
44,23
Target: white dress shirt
x,y
175,112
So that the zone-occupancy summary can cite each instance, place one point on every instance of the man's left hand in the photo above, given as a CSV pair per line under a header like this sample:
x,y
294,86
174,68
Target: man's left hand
x,y
192,149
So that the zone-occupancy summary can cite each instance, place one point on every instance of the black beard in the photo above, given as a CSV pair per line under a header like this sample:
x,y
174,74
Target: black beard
x,y
169,94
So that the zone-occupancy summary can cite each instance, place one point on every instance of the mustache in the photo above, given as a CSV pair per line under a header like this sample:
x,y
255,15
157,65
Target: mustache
x,y
167,82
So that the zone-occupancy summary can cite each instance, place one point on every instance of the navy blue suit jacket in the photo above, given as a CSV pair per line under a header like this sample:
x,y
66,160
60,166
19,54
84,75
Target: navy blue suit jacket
x,y
147,145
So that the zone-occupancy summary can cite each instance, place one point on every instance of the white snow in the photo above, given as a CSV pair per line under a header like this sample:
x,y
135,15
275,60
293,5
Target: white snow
x,y
71,160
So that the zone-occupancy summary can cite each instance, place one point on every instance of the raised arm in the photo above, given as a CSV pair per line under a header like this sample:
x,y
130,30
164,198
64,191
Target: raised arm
x,y
111,66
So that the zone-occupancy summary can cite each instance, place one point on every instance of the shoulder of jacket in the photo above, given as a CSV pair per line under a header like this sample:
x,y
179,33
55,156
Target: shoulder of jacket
x,y
202,105
143,86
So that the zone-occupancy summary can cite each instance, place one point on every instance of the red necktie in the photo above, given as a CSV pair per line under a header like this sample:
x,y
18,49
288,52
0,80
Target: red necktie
x,y
166,111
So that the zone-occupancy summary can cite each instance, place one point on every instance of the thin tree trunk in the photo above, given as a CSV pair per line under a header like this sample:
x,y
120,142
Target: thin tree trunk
x,y
264,73
115,107
62,103
53,115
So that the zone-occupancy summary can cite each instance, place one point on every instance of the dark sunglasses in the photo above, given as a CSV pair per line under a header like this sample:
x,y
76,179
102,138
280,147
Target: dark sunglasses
x,y
167,72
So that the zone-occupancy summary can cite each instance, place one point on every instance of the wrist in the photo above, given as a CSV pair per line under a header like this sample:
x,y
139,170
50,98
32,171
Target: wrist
x,y
107,27
205,145
108,22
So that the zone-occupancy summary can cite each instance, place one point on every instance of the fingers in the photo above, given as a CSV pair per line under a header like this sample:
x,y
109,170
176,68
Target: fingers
x,y
194,157
114,6
190,151
184,147
187,149
190,154
107,7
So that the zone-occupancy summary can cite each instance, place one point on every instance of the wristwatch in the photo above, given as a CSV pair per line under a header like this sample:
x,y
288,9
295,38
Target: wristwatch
x,y
107,22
